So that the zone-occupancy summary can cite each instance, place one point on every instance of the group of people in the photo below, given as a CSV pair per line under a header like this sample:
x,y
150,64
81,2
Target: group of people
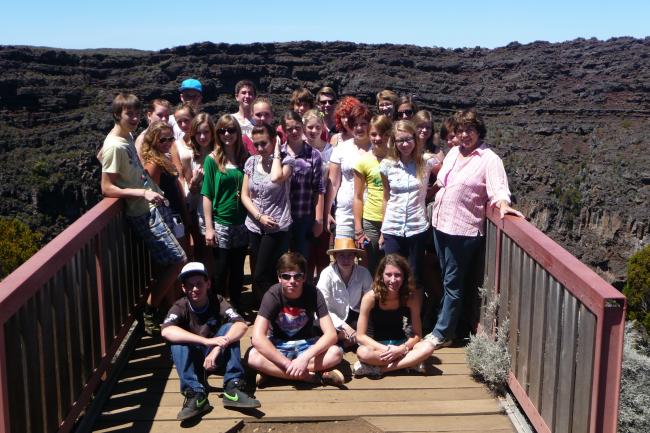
x,y
336,207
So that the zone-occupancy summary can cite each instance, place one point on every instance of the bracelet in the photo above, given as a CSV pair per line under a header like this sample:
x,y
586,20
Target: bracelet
x,y
277,156
406,349
359,233
258,216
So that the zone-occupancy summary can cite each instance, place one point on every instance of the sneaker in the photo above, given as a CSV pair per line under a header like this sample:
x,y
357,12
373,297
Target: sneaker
x,y
261,380
151,325
332,377
361,369
419,369
436,342
233,396
195,403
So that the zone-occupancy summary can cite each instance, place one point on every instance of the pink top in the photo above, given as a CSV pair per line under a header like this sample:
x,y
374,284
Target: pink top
x,y
467,184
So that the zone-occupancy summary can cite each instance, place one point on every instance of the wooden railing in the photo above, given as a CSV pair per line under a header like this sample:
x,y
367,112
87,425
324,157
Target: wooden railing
x,y
565,329
64,314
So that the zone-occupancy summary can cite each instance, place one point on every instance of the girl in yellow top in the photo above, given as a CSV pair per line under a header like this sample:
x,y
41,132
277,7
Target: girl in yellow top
x,y
369,192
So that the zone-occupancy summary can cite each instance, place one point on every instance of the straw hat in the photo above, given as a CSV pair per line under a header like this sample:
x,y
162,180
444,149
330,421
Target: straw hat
x,y
344,244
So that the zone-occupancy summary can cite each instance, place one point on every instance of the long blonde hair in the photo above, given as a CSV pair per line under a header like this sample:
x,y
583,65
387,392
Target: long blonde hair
x,y
393,153
197,121
149,151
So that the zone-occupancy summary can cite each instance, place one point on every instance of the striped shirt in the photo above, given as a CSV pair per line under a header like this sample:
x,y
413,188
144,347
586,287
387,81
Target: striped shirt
x,y
467,185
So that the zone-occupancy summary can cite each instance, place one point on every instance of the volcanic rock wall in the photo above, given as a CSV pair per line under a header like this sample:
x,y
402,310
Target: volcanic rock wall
x,y
570,120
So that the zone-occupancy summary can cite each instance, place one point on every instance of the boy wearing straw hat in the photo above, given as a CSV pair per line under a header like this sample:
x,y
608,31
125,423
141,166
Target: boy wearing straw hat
x,y
343,284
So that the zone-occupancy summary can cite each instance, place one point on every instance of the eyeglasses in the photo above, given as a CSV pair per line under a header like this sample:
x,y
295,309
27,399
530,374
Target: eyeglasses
x,y
409,140
286,276
228,130
326,102
164,140
468,130
405,113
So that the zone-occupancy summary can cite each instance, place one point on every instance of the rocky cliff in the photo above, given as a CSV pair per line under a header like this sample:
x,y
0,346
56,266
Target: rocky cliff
x,y
570,120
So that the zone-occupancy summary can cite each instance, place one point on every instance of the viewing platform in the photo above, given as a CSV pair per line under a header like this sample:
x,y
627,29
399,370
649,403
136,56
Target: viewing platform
x,y
67,319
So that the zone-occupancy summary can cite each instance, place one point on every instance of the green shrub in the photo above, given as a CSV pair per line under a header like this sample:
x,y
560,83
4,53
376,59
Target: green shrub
x,y
17,244
637,288
634,416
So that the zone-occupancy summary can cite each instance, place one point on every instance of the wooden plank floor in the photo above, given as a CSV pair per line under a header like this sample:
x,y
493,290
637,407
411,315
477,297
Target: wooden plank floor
x,y
147,399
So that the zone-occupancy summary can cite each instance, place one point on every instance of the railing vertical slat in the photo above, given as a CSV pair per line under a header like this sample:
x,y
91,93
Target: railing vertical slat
x,y
31,373
526,310
551,353
569,324
51,401
513,276
584,372
539,324
13,342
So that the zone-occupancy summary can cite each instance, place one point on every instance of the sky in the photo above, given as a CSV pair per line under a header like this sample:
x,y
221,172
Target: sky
x,y
447,24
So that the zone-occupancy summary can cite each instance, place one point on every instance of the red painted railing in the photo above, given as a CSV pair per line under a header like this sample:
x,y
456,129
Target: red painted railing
x,y
64,313
565,333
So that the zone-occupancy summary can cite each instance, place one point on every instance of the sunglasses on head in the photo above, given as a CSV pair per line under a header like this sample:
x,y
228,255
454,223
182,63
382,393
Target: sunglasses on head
x,y
165,139
286,276
405,113
228,130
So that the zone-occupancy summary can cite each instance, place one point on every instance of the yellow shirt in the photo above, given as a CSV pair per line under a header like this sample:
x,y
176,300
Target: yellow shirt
x,y
368,167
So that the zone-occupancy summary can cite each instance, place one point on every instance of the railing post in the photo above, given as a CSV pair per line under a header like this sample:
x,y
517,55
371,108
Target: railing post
x,y
607,370
5,422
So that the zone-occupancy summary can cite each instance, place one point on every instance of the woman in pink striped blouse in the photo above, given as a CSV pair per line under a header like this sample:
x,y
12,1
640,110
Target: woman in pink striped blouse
x,y
472,177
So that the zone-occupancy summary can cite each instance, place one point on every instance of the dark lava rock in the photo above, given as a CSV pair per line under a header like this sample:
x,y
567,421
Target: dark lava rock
x,y
570,120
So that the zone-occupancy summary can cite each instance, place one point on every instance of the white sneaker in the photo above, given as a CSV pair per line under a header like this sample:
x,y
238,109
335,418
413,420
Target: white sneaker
x,y
436,342
362,369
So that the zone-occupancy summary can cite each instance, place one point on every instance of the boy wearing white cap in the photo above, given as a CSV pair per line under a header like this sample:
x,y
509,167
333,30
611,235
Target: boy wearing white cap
x,y
204,333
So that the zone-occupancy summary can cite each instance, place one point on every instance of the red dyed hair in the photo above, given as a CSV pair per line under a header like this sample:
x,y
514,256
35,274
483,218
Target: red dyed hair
x,y
344,109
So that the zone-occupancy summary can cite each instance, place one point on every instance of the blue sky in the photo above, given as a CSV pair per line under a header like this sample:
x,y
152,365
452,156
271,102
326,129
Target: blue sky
x,y
164,24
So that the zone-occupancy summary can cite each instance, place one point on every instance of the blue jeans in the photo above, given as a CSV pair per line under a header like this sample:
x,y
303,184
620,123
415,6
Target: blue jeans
x,y
300,234
411,248
188,360
457,255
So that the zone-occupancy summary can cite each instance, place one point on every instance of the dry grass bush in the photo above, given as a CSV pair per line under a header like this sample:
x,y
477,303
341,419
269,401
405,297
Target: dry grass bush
x,y
634,416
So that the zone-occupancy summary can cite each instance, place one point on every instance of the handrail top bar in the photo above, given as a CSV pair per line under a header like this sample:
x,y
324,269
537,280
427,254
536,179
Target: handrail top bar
x,y
25,281
583,283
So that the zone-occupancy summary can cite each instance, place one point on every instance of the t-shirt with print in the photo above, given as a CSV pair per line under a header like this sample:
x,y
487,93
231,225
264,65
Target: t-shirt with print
x,y
120,157
368,167
292,319
205,322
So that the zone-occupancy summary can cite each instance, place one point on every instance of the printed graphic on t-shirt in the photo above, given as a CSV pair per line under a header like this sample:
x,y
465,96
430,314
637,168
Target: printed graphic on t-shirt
x,y
291,320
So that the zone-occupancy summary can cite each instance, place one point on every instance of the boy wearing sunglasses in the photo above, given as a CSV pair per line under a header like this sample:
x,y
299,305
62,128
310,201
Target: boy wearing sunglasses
x,y
291,350
204,331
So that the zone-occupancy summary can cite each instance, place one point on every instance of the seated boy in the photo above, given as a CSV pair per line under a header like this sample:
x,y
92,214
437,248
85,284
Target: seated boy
x,y
292,351
204,334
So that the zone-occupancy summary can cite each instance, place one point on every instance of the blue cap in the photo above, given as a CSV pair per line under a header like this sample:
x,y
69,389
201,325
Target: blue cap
x,y
191,84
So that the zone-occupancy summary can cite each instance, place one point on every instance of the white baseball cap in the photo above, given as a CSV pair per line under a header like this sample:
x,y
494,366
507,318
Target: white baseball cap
x,y
193,268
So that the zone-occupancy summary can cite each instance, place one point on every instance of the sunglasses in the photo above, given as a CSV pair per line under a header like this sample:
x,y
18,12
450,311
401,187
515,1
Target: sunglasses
x,y
286,276
406,113
228,130
164,140
327,102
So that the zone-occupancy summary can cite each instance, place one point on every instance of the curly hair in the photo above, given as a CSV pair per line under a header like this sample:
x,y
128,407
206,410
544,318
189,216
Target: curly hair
x,y
408,281
149,151
343,109
470,118
219,153
359,112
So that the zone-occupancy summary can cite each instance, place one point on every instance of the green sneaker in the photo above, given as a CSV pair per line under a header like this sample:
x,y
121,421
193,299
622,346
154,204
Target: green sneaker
x,y
233,396
196,403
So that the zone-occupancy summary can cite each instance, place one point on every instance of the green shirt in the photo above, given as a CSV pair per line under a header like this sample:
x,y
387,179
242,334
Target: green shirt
x,y
368,167
223,190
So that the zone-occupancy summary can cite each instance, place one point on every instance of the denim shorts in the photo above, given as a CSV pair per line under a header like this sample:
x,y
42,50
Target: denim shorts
x,y
153,229
392,342
292,348
231,236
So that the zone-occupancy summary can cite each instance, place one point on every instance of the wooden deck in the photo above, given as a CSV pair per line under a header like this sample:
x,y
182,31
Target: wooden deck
x,y
146,398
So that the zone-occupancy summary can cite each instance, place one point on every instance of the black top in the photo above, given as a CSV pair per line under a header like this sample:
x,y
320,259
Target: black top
x,y
389,324
205,322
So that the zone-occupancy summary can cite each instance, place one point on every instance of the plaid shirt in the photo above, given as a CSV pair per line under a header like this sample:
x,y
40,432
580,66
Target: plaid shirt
x,y
306,181
467,186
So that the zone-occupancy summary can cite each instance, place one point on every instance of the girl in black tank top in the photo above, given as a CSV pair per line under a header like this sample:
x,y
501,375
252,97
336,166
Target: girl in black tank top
x,y
389,330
